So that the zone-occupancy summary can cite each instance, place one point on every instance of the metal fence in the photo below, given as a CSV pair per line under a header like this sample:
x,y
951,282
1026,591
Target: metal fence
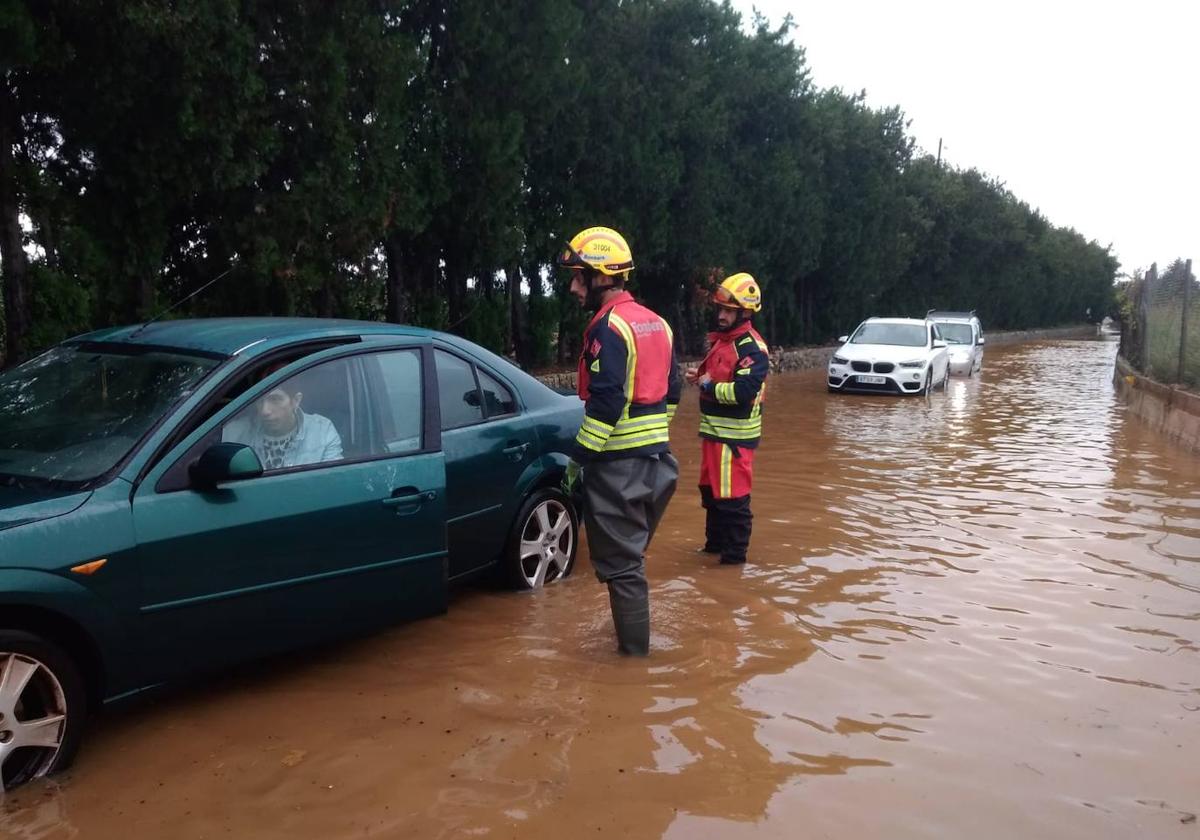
x,y
1162,336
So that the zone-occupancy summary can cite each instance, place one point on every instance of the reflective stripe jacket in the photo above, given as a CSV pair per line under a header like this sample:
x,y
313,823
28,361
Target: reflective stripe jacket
x,y
628,381
731,405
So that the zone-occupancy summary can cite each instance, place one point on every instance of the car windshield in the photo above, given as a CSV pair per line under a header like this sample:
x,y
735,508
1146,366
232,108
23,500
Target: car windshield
x,y
901,335
956,333
73,413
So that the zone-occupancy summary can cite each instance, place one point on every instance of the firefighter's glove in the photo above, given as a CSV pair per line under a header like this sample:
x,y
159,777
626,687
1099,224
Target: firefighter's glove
x,y
570,481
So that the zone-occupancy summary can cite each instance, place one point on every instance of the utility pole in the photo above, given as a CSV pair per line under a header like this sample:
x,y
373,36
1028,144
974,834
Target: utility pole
x,y
939,160
1183,319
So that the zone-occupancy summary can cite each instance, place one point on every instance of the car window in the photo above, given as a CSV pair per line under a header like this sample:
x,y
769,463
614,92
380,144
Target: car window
x,y
399,400
901,335
457,391
497,400
73,413
956,333
307,419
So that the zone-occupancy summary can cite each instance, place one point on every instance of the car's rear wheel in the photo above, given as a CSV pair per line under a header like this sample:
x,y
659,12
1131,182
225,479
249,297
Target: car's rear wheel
x,y
42,708
544,540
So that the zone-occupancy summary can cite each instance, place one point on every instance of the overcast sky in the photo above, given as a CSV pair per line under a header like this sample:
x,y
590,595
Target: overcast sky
x,y
1088,111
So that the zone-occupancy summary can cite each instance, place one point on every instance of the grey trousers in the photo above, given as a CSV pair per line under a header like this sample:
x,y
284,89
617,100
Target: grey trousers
x,y
624,500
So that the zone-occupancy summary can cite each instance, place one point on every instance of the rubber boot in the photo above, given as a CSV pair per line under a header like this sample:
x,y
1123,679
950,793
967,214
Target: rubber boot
x,y
712,531
630,602
736,519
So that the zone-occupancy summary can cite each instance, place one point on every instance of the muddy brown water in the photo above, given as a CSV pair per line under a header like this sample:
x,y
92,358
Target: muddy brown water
x,y
972,616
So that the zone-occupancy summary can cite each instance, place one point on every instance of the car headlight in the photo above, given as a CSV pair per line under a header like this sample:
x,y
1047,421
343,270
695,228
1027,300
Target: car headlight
x,y
915,363
838,360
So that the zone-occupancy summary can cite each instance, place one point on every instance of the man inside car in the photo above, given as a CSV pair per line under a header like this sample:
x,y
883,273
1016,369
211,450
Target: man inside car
x,y
281,434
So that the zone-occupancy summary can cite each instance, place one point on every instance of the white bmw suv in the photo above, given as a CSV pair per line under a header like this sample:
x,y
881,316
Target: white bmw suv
x,y
964,340
890,356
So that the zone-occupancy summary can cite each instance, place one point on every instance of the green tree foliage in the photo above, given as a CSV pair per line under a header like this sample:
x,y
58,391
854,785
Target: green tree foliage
x,y
422,161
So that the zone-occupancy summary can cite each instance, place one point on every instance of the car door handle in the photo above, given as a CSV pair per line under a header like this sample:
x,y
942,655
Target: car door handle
x,y
516,451
407,500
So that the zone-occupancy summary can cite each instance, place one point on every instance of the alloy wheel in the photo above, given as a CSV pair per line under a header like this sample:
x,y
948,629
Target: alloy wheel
x,y
547,544
33,718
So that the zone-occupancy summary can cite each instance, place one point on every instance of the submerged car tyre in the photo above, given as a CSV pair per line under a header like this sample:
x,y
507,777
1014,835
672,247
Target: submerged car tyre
x,y
42,708
545,536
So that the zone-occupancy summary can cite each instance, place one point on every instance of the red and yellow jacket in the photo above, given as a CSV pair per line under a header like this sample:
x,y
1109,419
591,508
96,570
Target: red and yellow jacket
x,y
628,381
731,405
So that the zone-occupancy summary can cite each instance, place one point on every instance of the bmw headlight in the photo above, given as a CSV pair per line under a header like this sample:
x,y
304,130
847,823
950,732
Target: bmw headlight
x,y
838,360
914,363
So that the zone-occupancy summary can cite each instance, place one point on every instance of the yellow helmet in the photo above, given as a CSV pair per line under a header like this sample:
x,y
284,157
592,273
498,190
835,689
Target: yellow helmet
x,y
739,291
599,248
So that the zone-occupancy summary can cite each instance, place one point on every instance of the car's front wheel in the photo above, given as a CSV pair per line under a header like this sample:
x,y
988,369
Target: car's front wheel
x,y
545,537
42,708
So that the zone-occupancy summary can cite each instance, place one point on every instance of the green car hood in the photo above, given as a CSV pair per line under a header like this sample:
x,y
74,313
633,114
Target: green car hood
x,y
22,505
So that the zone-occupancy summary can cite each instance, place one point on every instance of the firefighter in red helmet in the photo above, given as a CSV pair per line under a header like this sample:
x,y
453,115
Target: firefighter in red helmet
x,y
732,381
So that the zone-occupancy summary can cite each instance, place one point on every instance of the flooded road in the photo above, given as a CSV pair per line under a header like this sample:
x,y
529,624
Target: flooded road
x,y
976,616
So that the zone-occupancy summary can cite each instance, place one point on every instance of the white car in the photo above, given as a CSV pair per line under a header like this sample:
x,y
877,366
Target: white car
x,y
890,356
964,340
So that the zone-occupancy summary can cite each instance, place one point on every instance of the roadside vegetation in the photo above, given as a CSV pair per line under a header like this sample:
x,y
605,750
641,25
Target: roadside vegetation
x,y
422,161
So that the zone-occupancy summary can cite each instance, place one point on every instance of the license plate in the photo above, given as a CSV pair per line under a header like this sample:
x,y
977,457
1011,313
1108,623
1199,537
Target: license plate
x,y
872,380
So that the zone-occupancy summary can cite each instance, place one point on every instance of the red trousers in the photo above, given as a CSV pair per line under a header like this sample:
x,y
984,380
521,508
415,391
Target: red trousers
x,y
727,473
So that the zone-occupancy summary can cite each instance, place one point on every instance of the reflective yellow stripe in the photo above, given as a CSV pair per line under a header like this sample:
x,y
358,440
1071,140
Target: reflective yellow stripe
x,y
726,472
619,443
735,430
664,431
724,393
753,420
588,442
625,431
671,411
626,423
595,426
588,434
631,356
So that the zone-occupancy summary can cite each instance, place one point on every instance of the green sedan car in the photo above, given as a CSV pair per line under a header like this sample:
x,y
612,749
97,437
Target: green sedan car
x,y
179,496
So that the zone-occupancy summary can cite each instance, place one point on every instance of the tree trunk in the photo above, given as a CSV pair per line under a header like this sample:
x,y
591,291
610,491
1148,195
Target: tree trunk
x,y
564,349
327,299
397,297
456,287
518,318
12,247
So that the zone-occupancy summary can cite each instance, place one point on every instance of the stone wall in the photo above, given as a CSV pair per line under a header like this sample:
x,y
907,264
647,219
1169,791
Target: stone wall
x,y
807,358
1168,409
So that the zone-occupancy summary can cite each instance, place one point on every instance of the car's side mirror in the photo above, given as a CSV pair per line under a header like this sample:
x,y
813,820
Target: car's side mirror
x,y
937,342
843,338
224,462
982,340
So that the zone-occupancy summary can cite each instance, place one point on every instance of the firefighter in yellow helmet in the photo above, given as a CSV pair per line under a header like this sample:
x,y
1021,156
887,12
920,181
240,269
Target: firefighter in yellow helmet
x,y
732,381
629,383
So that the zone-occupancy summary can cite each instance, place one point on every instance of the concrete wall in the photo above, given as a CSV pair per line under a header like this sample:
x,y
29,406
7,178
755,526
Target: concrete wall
x,y
1168,409
807,358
